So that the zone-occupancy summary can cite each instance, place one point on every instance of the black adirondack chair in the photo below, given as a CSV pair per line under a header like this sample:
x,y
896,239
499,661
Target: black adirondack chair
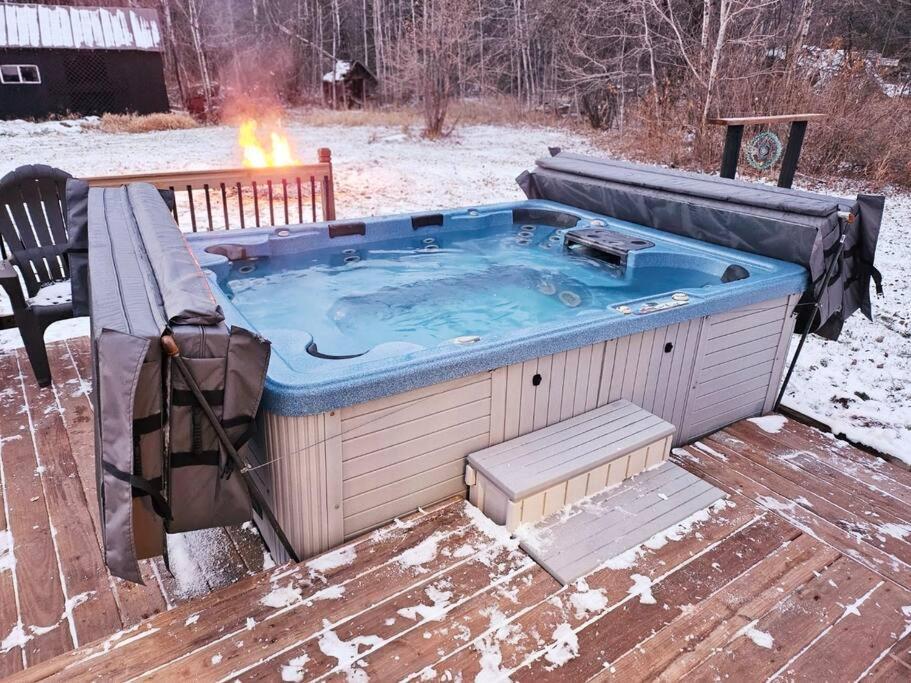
x,y
34,230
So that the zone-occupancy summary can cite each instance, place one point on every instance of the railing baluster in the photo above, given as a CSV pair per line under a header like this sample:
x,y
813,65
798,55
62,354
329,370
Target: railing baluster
x,y
285,193
256,203
174,210
271,203
240,205
313,197
192,207
205,187
300,201
224,205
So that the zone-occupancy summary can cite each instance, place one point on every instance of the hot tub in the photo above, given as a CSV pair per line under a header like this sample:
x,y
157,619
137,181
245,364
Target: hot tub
x,y
401,344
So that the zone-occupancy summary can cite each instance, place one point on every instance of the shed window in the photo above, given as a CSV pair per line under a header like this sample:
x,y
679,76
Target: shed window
x,y
19,73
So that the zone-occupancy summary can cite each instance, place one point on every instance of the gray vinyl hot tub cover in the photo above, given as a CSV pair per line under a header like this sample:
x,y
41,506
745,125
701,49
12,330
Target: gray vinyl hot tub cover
x,y
159,465
800,227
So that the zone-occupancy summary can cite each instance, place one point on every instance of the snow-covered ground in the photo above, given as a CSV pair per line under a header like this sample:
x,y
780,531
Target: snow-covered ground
x,y
860,385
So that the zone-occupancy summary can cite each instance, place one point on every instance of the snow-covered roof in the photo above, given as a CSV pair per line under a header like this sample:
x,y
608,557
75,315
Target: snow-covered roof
x,y
342,68
88,28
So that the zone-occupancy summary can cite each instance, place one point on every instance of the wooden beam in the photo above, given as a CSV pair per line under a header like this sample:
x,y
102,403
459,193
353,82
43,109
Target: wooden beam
x,y
764,120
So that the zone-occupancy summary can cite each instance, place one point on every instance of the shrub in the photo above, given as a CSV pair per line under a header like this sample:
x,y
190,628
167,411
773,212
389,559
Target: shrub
x,y
135,123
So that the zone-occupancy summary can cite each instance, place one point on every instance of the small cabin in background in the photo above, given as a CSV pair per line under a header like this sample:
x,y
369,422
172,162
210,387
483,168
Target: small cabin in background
x,y
349,84
57,60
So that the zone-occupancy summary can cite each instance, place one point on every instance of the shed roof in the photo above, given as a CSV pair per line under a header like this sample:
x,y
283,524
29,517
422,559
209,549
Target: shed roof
x,y
84,28
345,69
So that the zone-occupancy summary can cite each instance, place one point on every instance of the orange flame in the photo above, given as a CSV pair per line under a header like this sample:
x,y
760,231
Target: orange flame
x,y
262,150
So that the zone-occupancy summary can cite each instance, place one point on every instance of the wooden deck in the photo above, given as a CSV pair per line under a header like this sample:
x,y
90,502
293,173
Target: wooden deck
x,y
803,574
55,592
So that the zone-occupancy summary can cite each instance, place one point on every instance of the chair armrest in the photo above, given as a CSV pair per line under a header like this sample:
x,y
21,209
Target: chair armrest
x,y
9,280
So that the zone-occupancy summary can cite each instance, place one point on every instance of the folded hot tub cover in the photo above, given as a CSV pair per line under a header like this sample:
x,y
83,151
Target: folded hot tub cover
x,y
800,227
159,465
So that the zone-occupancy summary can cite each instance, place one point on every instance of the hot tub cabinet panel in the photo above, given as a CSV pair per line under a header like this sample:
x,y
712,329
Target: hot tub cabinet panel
x,y
342,472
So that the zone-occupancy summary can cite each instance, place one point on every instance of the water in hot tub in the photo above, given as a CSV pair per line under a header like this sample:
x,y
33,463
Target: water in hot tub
x,y
430,289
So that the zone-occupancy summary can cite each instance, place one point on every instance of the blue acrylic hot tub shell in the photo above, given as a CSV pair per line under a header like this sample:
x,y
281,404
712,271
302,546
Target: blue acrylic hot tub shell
x,y
397,367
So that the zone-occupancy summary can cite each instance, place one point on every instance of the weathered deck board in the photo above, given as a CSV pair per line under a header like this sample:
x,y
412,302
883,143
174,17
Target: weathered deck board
x,y
84,580
692,637
799,556
770,642
55,592
40,593
787,502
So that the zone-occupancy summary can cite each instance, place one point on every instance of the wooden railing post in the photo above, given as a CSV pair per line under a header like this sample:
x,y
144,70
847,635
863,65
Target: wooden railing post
x,y
327,189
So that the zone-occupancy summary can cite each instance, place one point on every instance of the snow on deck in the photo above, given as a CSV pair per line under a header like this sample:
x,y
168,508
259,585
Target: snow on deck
x,y
765,585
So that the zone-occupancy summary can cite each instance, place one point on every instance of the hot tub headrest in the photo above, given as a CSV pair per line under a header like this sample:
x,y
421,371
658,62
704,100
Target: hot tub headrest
x,y
800,227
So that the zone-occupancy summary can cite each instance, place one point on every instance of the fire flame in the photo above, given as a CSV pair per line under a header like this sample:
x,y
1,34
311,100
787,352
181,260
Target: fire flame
x,y
264,148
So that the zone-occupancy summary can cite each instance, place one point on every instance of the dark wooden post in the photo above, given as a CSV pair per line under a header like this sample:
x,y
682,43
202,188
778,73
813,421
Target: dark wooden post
x,y
734,137
731,153
327,185
792,153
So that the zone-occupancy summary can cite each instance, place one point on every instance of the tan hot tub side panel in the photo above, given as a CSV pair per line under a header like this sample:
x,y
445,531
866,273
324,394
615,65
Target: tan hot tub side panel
x,y
356,468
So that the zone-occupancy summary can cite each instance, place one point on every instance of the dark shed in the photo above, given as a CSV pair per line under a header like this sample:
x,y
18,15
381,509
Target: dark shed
x,y
349,84
82,60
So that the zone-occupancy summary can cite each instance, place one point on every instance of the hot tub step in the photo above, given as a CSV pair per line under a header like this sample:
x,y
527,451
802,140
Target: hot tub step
x,y
610,523
525,479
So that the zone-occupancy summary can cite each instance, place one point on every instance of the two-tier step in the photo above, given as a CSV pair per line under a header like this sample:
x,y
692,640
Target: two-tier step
x,y
530,477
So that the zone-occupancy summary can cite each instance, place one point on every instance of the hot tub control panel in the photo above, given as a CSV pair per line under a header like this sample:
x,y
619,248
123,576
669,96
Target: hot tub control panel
x,y
673,301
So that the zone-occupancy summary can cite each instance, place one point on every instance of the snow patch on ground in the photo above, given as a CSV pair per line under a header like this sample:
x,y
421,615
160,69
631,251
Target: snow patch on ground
x,y
7,557
392,530
564,648
760,638
711,451
769,423
294,669
17,637
198,561
333,560
437,609
776,504
534,536
422,553
642,588
586,600
497,533
899,531
335,592
282,596
347,652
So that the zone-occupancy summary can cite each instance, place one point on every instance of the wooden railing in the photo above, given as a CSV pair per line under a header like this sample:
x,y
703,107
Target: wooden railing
x,y
222,199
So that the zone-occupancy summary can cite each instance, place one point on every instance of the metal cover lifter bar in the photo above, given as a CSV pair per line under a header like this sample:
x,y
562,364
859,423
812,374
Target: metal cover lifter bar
x,y
169,345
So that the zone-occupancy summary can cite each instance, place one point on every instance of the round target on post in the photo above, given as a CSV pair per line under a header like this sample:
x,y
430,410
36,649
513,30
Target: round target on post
x,y
763,150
